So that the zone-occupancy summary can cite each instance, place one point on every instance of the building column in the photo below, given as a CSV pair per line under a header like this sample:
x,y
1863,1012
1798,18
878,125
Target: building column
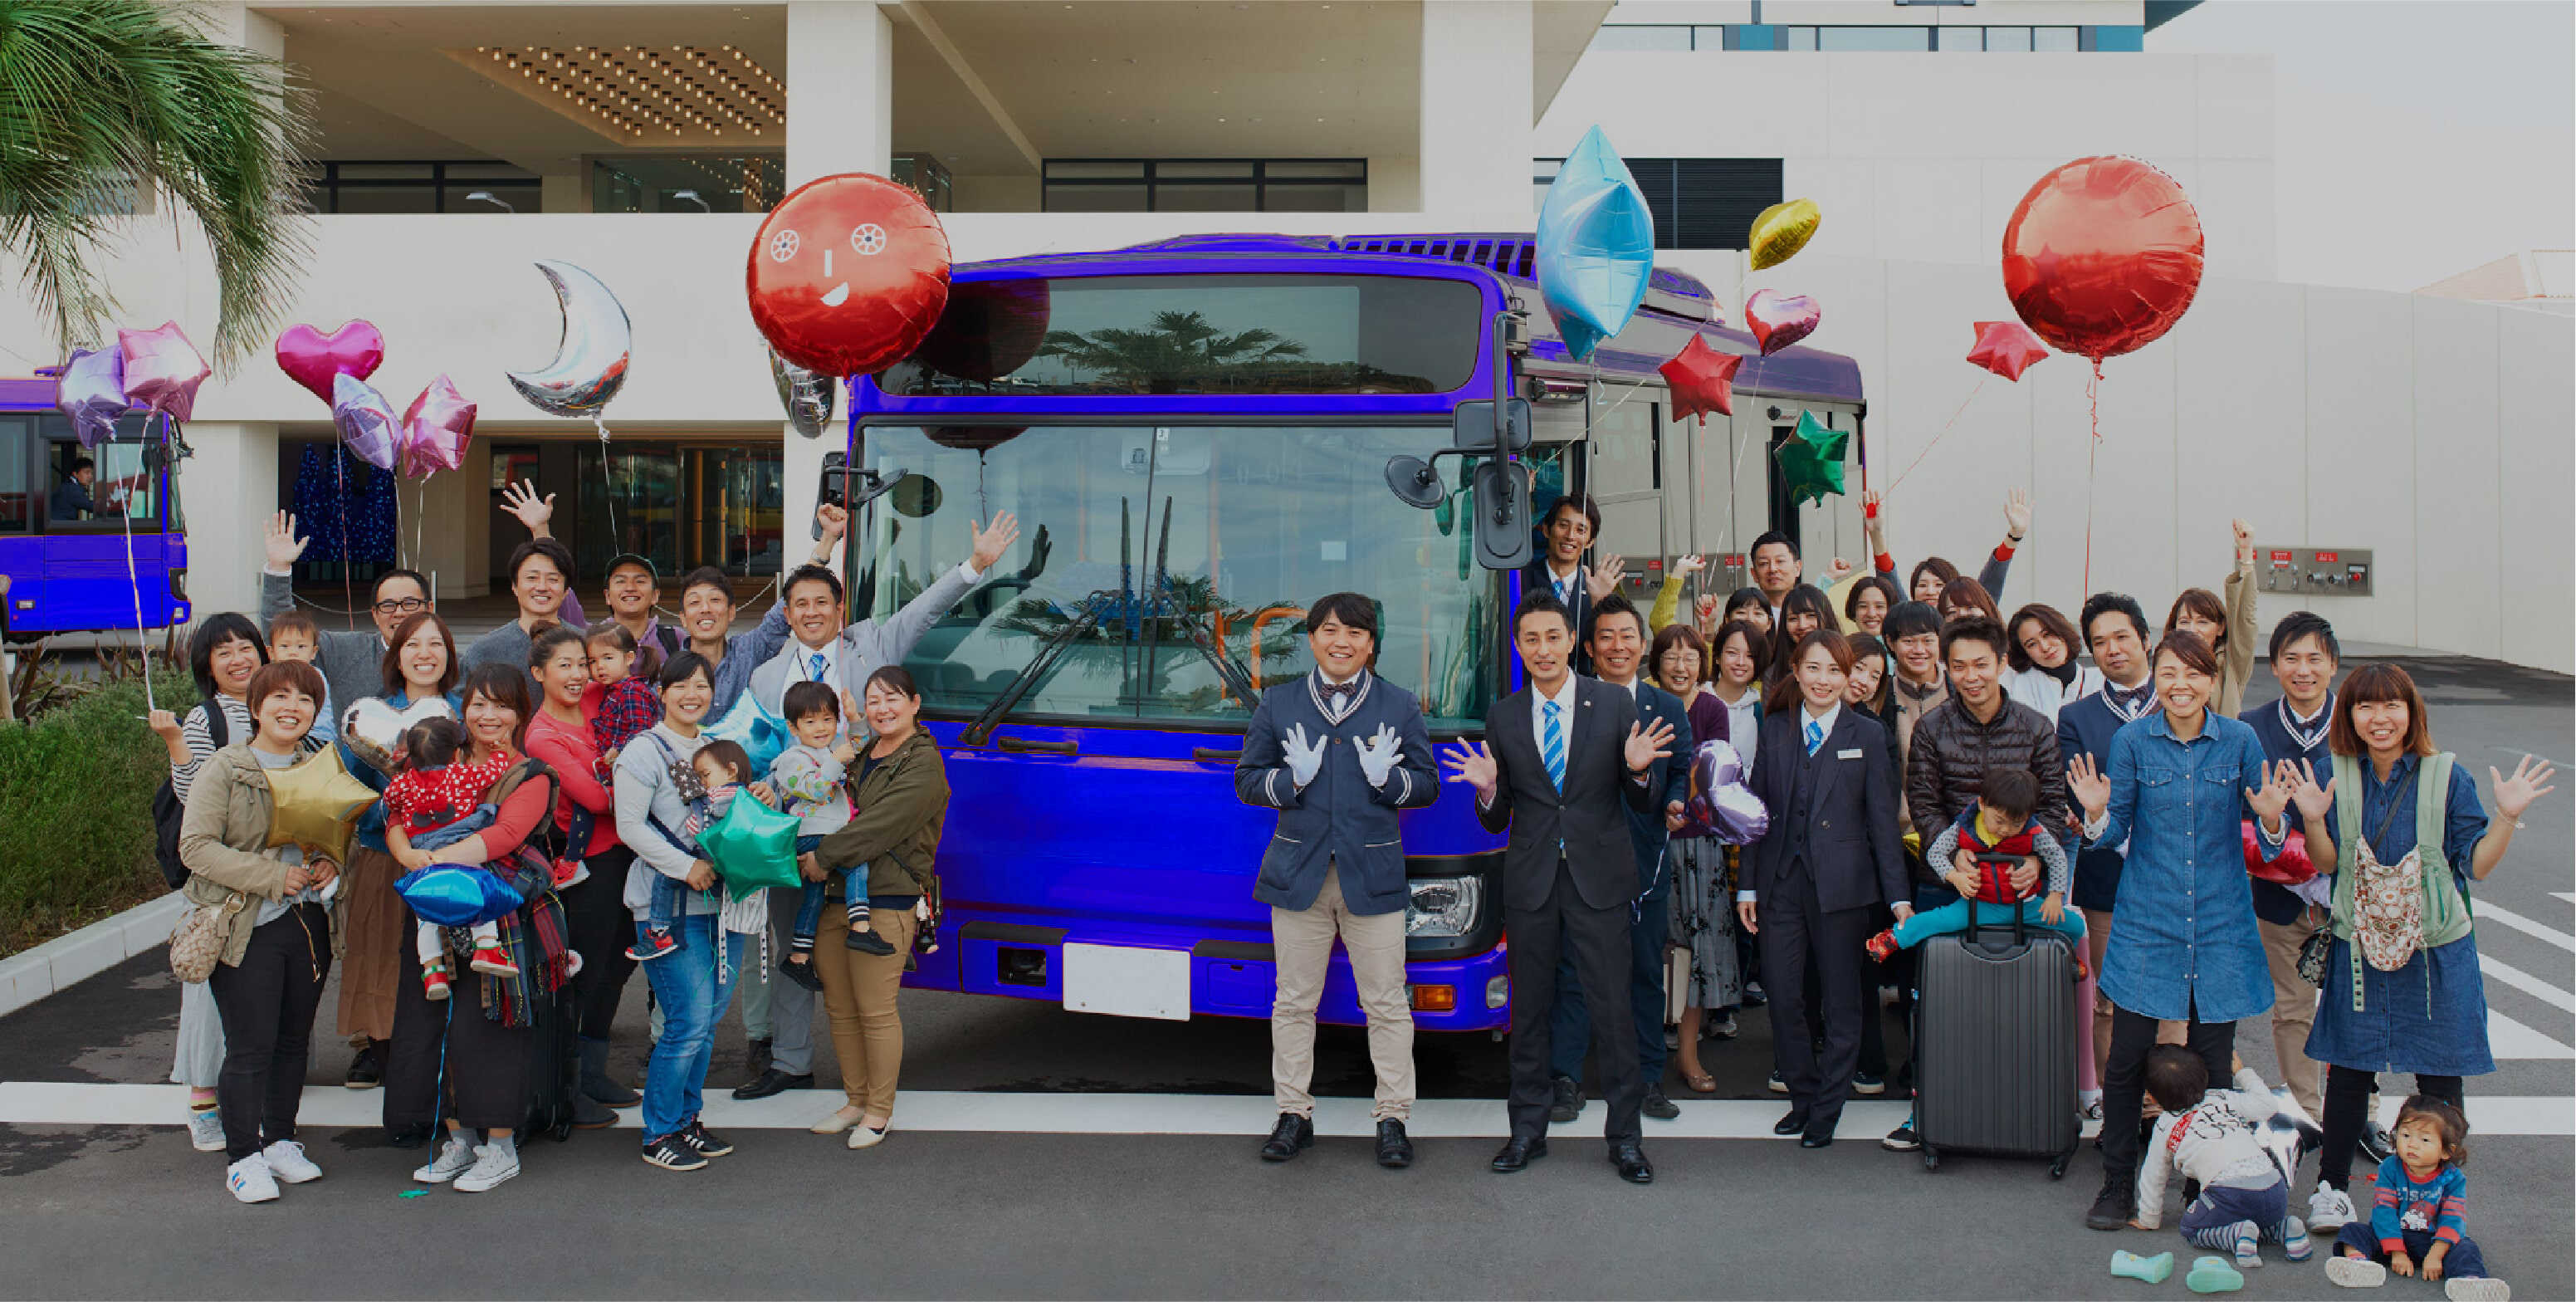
x,y
226,494
1477,111
840,118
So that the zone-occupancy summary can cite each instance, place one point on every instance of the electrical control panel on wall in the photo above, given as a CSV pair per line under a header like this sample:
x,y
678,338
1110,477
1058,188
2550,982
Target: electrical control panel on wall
x,y
2313,571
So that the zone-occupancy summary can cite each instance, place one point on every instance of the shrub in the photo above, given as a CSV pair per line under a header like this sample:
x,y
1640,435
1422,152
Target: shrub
x,y
76,790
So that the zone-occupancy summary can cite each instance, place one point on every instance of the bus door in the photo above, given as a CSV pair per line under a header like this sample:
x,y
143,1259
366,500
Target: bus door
x,y
1626,480
84,583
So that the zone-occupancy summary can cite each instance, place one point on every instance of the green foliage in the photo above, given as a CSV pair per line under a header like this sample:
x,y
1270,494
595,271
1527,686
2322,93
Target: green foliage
x,y
101,100
76,809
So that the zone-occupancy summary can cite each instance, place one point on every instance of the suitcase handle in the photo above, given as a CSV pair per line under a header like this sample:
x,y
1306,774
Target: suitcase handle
x,y
2020,928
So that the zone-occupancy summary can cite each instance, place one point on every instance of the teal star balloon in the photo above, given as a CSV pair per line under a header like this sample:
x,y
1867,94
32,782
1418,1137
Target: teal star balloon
x,y
1811,462
753,846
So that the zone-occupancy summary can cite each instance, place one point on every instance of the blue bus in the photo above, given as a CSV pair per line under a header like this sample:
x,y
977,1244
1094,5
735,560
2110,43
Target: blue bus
x,y
1196,435
65,570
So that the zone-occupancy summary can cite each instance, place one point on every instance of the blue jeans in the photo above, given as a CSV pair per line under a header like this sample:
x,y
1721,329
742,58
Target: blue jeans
x,y
670,898
809,910
1570,1026
2463,1261
1952,918
693,998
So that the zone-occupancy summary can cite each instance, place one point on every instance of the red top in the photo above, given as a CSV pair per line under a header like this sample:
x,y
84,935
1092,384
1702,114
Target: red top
x,y
428,799
570,750
518,815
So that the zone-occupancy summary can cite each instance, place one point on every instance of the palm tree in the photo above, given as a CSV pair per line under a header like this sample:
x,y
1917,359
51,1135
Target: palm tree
x,y
102,98
1180,345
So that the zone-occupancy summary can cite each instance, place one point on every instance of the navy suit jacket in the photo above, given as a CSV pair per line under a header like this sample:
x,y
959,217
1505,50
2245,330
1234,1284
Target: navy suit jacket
x,y
1338,821
1669,779
1853,850
2084,727
1586,824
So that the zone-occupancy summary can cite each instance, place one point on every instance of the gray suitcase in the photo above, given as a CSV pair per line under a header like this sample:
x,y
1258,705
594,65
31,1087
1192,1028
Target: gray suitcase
x,y
1994,1045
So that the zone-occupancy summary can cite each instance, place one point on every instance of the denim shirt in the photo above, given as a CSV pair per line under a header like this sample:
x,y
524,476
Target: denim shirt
x,y
2184,942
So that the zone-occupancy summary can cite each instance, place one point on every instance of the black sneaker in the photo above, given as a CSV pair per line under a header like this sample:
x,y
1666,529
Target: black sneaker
x,y
2113,1207
2374,1143
802,973
1753,996
1568,1104
1776,1083
1902,1139
367,1070
1659,1107
670,1154
703,1141
867,942
1868,1083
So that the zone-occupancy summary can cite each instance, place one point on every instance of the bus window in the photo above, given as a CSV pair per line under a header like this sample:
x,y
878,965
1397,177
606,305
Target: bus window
x,y
18,497
1624,478
126,483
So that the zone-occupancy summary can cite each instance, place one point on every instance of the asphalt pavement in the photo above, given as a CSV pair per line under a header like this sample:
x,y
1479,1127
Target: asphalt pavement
x,y
1046,1153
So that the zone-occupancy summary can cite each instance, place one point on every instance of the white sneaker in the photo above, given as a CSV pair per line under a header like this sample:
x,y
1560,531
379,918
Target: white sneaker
x,y
206,1131
286,1161
250,1180
2353,1272
454,1159
493,1164
2328,1208
2477,1290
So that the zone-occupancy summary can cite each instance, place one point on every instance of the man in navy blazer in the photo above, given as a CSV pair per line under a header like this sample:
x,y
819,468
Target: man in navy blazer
x,y
1337,753
2116,630
1617,637
1832,852
1563,763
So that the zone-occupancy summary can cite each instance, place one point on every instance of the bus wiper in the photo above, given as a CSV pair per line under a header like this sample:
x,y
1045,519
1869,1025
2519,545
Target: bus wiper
x,y
1086,617
1164,601
1238,679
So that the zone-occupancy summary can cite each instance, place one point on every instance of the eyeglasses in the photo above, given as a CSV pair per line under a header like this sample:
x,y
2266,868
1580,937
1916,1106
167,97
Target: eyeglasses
x,y
400,606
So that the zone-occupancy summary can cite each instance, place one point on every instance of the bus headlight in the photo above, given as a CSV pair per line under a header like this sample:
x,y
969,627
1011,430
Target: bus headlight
x,y
1442,906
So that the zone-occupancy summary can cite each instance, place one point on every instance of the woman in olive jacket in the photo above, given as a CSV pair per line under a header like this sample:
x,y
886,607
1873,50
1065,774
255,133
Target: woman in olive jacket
x,y
899,792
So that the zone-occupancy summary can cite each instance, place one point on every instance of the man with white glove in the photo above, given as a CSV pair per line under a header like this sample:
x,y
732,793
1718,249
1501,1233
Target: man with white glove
x,y
1338,753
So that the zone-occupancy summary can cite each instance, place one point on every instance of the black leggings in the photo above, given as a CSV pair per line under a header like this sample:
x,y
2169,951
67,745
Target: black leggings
x,y
2348,1110
2124,1083
267,1004
600,926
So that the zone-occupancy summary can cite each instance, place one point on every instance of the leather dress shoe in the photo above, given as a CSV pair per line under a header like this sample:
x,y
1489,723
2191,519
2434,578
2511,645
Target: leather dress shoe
x,y
1817,1136
1630,1158
1518,1152
1293,1134
1791,1123
1394,1148
772,1081
1659,1107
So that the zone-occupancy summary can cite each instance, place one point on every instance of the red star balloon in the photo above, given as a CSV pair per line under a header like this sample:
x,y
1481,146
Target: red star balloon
x,y
2006,348
1702,380
847,274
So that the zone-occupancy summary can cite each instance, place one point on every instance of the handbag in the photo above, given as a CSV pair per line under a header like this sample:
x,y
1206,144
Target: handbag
x,y
2312,956
197,943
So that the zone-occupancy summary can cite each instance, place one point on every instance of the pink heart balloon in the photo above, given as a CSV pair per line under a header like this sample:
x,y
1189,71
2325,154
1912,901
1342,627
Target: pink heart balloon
x,y
162,370
435,430
1778,320
311,358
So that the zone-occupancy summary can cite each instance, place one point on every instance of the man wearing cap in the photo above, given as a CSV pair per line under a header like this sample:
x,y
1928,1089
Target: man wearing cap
x,y
634,592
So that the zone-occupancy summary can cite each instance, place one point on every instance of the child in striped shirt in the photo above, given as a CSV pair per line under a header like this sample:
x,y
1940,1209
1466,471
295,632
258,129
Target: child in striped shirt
x,y
2419,1216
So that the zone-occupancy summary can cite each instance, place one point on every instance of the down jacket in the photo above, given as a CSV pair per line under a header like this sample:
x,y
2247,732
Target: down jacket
x,y
1951,753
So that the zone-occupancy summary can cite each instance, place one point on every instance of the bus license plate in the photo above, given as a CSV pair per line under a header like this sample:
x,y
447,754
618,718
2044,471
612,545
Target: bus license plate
x,y
1124,982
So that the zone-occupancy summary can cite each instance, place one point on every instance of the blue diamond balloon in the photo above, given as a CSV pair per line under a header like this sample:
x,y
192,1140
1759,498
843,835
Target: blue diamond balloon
x,y
1596,246
761,734
456,895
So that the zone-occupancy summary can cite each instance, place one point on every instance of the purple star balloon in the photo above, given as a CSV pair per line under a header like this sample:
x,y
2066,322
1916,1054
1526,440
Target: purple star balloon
x,y
435,430
91,393
162,370
365,420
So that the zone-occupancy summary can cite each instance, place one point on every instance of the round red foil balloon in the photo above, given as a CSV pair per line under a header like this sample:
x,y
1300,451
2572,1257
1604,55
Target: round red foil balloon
x,y
2102,256
848,274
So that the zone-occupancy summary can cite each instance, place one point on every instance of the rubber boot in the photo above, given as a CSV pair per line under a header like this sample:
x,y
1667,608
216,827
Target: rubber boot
x,y
597,1085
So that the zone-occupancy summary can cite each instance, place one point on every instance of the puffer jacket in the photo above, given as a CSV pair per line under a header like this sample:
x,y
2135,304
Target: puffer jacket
x,y
223,839
902,807
1951,753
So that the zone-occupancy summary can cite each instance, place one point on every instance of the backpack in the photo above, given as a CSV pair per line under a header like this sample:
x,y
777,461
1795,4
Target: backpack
x,y
2388,911
168,810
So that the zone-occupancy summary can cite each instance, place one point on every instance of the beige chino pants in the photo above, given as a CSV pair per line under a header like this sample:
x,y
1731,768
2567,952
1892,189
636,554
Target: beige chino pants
x,y
1303,942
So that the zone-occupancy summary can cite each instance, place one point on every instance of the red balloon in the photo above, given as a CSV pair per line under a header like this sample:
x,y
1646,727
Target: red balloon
x,y
2289,868
990,329
1702,380
848,274
2006,348
2103,256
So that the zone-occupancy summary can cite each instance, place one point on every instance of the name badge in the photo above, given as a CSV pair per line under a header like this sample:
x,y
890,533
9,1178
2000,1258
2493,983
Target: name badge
x,y
1854,753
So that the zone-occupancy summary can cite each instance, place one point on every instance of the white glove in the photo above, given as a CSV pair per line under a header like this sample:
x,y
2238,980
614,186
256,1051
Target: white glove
x,y
1378,755
1305,758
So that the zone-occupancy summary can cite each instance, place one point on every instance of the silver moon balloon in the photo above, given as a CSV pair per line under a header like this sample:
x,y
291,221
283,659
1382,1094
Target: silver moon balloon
x,y
591,359
807,396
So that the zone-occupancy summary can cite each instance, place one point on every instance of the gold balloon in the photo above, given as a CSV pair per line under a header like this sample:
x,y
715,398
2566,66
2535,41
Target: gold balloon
x,y
316,805
1782,230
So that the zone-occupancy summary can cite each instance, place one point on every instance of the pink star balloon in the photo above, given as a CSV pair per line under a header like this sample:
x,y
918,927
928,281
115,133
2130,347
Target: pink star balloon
x,y
162,370
2006,348
435,430
1702,380
90,392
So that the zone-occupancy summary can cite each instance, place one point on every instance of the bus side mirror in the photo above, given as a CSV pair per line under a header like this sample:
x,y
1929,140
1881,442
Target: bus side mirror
x,y
850,489
1502,500
1482,426
828,490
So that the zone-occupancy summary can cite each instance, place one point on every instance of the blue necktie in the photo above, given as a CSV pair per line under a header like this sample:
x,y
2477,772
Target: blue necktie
x,y
1815,734
818,668
1551,744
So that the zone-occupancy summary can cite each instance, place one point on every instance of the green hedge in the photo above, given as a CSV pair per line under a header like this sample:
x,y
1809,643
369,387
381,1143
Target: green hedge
x,y
76,790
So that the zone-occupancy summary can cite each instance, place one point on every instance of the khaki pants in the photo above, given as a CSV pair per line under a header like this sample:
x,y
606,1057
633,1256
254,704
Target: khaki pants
x,y
2294,1008
859,995
1303,941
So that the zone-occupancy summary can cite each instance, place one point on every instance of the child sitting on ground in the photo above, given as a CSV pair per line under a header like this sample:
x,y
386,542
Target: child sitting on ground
x,y
722,768
2419,1218
292,635
808,777
621,704
2214,1138
1999,825
433,803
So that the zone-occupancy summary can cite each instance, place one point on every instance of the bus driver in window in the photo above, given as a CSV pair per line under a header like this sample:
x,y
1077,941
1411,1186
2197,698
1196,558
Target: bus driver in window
x,y
71,499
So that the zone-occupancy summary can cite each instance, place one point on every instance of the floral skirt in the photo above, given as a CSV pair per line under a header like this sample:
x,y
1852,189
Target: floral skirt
x,y
1703,919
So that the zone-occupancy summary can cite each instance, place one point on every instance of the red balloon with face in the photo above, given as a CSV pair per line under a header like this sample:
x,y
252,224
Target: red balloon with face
x,y
2103,256
848,274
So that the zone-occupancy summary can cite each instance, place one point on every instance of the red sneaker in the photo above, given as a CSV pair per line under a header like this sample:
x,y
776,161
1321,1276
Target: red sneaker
x,y
653,945
1881,946
490,960
433,981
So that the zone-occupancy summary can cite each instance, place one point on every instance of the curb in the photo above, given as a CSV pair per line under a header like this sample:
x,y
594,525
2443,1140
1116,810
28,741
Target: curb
x,y
66,961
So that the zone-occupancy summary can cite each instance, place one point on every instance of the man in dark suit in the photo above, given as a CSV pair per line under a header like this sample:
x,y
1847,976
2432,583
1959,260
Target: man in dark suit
x,y
1563,761
1617,637
1337,753
1832,852
1571,525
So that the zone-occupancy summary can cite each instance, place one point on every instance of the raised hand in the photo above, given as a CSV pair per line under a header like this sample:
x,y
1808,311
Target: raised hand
x,y
994,539
2312,800
1603,578
1470,762
1686,566
1379,754
1836,572
2091,788
2530,781
283,547
520,500
2016,514
1704,607
1870,499
2244,541
834,520
1305,758
2269,799
1646,744
1039,549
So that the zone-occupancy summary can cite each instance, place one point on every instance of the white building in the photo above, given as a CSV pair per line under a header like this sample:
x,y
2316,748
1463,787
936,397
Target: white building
x,y
2432,432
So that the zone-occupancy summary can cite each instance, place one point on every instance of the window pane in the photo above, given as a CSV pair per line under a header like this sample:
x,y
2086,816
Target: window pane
x,y
17,497
1623,459
1639,37
1204,169
488,172
1087,169
1245,526
1961,38
1802,38
1061,197
2053,39
382,171
1321,169
2008,38
1874,38
387,198
1314,198
127,482
1237,197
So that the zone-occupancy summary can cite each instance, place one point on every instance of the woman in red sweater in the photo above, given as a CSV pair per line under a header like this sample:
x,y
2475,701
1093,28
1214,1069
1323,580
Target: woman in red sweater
x,y
561,736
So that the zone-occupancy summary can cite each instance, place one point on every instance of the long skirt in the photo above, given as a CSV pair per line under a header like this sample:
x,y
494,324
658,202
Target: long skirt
x,y
373,938
1704,920
448,1060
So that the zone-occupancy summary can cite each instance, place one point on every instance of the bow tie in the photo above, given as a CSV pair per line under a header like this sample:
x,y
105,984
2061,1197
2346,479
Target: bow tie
x,y
2131,698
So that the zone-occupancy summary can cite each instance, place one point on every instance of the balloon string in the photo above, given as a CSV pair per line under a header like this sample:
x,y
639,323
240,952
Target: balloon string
x,y
1943,433
340,470
607,484
2092,449
420,518
134,580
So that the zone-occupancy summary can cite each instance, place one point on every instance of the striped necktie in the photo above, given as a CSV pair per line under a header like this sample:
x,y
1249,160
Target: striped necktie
x,y
1551,743
816,675
1815,734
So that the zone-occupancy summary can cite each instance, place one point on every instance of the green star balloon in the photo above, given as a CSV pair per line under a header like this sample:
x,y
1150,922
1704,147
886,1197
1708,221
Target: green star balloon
x,y
1811,462
752,846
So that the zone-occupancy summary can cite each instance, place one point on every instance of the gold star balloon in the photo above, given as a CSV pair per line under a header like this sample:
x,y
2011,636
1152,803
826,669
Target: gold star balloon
x,y
316,805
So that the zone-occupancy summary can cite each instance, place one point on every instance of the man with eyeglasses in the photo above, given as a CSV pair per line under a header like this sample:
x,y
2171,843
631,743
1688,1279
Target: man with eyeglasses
x,y
352,661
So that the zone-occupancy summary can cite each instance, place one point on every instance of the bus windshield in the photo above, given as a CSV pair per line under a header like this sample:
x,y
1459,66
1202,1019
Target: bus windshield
x,y
1174,550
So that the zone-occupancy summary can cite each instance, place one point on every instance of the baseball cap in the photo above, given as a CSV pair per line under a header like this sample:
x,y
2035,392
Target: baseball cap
x,y
631,558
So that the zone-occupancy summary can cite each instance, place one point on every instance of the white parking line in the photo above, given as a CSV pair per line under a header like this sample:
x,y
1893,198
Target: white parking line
x,y
2507,1038
2529,985
2486,912
2569,896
